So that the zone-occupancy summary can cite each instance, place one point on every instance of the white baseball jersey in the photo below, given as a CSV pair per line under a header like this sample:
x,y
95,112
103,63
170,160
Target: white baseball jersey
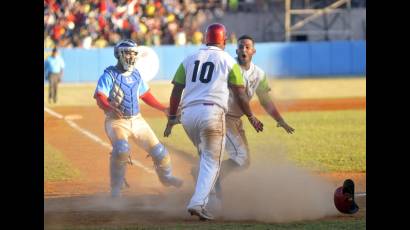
x,y
255,81
206,75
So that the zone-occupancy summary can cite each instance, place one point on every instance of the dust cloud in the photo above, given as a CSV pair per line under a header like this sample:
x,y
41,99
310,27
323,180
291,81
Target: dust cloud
x,y
268,191
276,192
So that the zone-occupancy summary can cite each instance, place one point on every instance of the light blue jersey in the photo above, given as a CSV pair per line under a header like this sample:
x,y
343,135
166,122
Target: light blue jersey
x,y
122,91
54,65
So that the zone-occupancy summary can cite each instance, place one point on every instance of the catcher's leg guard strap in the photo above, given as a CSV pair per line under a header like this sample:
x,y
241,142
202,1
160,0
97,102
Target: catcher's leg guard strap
x,y
120,151
158,152
120,147
162,161
118,161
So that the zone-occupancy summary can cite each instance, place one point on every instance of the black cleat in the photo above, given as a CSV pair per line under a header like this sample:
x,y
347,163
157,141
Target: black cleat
x,y
202,213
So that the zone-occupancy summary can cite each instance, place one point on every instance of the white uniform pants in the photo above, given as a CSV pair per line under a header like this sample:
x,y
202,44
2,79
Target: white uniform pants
x,y
136,128
205,126
236,142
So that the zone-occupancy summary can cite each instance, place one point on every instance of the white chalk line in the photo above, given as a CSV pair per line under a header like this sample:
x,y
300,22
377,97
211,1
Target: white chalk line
x,y
93,136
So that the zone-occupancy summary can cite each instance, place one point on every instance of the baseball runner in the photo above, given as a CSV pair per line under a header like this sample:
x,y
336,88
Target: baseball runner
x,y
118,92
205,77
255,82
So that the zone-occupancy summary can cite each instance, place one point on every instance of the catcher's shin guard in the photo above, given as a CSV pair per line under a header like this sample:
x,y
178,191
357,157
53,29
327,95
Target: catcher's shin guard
x,y
162,162
118,160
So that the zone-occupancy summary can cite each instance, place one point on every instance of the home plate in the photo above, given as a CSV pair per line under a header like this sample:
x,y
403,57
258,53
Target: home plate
x,y
73,117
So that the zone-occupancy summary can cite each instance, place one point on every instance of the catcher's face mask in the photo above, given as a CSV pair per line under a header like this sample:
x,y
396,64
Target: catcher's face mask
x,y
127,58
126,52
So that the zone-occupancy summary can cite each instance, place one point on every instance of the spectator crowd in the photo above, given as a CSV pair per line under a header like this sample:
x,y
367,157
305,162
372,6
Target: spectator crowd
x,y
102,23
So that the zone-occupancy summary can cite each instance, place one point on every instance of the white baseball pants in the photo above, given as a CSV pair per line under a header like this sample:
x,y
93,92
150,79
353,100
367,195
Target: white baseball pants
x,y
136,128
205,126
236,142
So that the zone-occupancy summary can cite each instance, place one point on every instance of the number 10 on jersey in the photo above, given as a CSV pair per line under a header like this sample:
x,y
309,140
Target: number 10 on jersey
x,y
206,68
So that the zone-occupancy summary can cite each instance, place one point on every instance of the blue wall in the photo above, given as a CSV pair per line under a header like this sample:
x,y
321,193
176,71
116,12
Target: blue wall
x,y
296,59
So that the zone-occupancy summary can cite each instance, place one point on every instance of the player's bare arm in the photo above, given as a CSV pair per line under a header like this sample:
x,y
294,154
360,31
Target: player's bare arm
x,y
239,92
173,108
267,103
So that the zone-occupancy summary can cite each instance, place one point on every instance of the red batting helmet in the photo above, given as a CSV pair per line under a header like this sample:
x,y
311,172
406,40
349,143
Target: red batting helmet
x,y
344,198
215,34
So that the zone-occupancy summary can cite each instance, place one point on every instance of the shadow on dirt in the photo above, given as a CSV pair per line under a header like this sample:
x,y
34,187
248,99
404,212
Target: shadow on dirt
x,y
101,209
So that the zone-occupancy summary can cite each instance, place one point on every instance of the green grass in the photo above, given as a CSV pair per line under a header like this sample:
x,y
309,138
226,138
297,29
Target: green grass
x,y
73,95
282,89
318,88
324,141
56,167
305,225
327,141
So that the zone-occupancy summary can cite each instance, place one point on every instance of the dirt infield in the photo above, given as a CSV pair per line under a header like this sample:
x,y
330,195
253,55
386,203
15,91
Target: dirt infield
x,y
85,201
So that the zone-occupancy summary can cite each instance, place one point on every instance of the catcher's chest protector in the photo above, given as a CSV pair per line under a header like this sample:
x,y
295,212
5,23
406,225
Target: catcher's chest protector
x,y
124,93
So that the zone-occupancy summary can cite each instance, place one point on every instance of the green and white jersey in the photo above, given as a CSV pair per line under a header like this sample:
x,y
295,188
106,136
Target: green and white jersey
x,y
255,82
206,75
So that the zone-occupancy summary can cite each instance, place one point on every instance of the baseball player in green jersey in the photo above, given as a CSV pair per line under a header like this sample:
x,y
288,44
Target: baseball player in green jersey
x,y
255,82
206,77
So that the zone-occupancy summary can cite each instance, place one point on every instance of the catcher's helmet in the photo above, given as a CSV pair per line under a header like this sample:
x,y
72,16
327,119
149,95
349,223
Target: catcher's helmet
x,y
215,34
344,198
124,46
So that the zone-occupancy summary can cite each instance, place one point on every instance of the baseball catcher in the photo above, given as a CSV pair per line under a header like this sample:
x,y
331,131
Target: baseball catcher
x,y
117,93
